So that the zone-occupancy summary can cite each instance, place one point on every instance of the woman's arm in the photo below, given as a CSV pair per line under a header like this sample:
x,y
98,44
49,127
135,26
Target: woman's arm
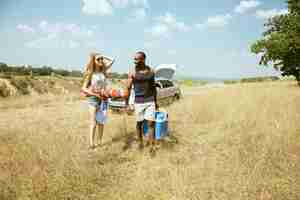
x,y
110,62
129,86
85,88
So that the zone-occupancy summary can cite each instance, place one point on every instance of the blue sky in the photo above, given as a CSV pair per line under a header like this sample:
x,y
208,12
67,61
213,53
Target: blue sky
x,y
206,38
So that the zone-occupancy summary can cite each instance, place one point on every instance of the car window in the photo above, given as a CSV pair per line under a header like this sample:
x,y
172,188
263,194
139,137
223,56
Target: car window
x,y
170,84
167,84
164,83
159,85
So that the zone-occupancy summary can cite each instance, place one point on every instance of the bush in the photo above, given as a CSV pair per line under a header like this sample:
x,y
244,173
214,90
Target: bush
x,y
231,81
188,83
259,79
38,71
22,84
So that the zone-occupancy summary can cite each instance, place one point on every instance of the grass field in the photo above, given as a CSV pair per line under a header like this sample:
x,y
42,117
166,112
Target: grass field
x,y
237,142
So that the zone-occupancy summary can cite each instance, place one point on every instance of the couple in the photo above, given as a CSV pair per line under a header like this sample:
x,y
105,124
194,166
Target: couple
x,y
141,78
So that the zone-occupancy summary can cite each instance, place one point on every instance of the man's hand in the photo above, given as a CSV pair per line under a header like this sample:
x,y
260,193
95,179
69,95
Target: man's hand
x,y
156,106
129,109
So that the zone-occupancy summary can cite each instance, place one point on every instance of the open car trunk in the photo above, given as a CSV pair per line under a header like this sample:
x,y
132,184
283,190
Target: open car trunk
x,y
165,71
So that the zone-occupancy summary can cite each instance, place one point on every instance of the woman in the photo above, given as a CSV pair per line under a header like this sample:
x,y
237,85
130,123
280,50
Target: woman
x,y
94,85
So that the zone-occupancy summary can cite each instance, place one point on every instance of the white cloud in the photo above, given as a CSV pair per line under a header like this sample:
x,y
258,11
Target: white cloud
x,y
172,52
53,41
106,7
25,28
120,3
97,7
138,15
265,14
60,35
73,44
65,28
218,21
143,3
167,24
171,21
246,5
160,30
127,3
48,41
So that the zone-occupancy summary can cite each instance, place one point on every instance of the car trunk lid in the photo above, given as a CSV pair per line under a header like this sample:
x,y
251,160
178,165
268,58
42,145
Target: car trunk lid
x,y
165,71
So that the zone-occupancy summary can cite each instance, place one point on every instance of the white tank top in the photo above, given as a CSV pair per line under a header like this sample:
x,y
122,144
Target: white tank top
x,y
98,81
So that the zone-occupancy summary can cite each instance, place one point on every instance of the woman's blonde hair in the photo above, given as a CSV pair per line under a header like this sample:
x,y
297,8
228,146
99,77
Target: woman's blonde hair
x,y
91,67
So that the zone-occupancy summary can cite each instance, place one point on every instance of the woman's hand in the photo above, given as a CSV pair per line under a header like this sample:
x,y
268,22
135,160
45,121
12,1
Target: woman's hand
x,y
99,96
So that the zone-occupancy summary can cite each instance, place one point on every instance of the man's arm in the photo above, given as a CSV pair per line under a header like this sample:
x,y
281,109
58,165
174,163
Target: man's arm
x,y
155,90
155,97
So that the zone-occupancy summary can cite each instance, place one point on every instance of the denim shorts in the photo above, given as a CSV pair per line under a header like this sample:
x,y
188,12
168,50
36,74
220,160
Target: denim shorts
x,y
94,101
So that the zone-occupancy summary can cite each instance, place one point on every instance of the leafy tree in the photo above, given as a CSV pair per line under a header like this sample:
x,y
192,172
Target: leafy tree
x,y
280,45
3,67
123,76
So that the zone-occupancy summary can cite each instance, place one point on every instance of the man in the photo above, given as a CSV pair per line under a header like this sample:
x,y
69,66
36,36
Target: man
x,y
145,103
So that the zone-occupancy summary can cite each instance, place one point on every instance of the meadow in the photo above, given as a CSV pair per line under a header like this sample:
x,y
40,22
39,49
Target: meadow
x,y
237,142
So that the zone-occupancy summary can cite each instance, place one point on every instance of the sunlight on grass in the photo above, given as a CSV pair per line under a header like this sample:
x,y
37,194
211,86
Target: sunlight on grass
x,y
237,142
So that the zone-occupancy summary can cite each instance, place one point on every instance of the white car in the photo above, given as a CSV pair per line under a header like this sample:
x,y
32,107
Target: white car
x,y
167,89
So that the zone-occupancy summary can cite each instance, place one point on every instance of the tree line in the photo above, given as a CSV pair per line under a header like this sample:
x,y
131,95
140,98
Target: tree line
x,y
37,71
47,71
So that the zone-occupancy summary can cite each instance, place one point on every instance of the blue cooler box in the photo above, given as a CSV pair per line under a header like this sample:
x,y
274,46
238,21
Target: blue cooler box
x,y
161,125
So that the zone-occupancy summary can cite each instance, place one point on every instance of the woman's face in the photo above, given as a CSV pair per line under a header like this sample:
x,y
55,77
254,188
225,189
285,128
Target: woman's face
x,y
99,64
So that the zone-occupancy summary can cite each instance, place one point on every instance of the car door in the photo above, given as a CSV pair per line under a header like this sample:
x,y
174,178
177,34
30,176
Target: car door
x,y
165,91
171,88
159,90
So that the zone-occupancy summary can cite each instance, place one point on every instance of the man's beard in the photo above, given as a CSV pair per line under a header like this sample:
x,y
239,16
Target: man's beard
x,y
139,65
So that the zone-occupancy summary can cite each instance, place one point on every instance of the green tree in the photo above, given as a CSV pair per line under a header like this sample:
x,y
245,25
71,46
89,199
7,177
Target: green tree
x,y
3,67
280,45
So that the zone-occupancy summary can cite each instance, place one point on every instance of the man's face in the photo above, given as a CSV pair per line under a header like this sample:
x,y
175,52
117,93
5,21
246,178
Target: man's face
x,y
139,59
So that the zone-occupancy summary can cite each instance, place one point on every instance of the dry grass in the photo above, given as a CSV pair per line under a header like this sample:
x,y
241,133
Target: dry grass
x,y
237,142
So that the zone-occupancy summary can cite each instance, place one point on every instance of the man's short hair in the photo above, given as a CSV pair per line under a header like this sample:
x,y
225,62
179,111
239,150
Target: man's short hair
x,y
142,53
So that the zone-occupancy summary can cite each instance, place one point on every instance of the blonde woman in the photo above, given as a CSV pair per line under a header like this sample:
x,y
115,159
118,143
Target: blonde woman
x,y
94,85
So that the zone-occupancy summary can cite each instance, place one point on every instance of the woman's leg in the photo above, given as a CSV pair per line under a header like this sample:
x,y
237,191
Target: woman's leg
x,y
100,132
92,110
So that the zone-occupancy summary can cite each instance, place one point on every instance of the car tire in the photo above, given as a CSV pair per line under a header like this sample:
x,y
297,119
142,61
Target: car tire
x,y
177,97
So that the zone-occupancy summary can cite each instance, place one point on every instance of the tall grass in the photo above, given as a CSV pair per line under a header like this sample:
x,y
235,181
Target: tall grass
x,y
237,142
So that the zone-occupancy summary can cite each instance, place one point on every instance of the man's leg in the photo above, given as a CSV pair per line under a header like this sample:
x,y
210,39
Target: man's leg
x,y
150,117
139,131
151,125
139,112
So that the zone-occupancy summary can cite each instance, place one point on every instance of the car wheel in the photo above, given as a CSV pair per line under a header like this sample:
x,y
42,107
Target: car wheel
x,y
177,97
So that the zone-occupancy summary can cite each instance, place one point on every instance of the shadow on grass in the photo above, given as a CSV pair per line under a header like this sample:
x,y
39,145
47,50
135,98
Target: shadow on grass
x,y
129,140
169,142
